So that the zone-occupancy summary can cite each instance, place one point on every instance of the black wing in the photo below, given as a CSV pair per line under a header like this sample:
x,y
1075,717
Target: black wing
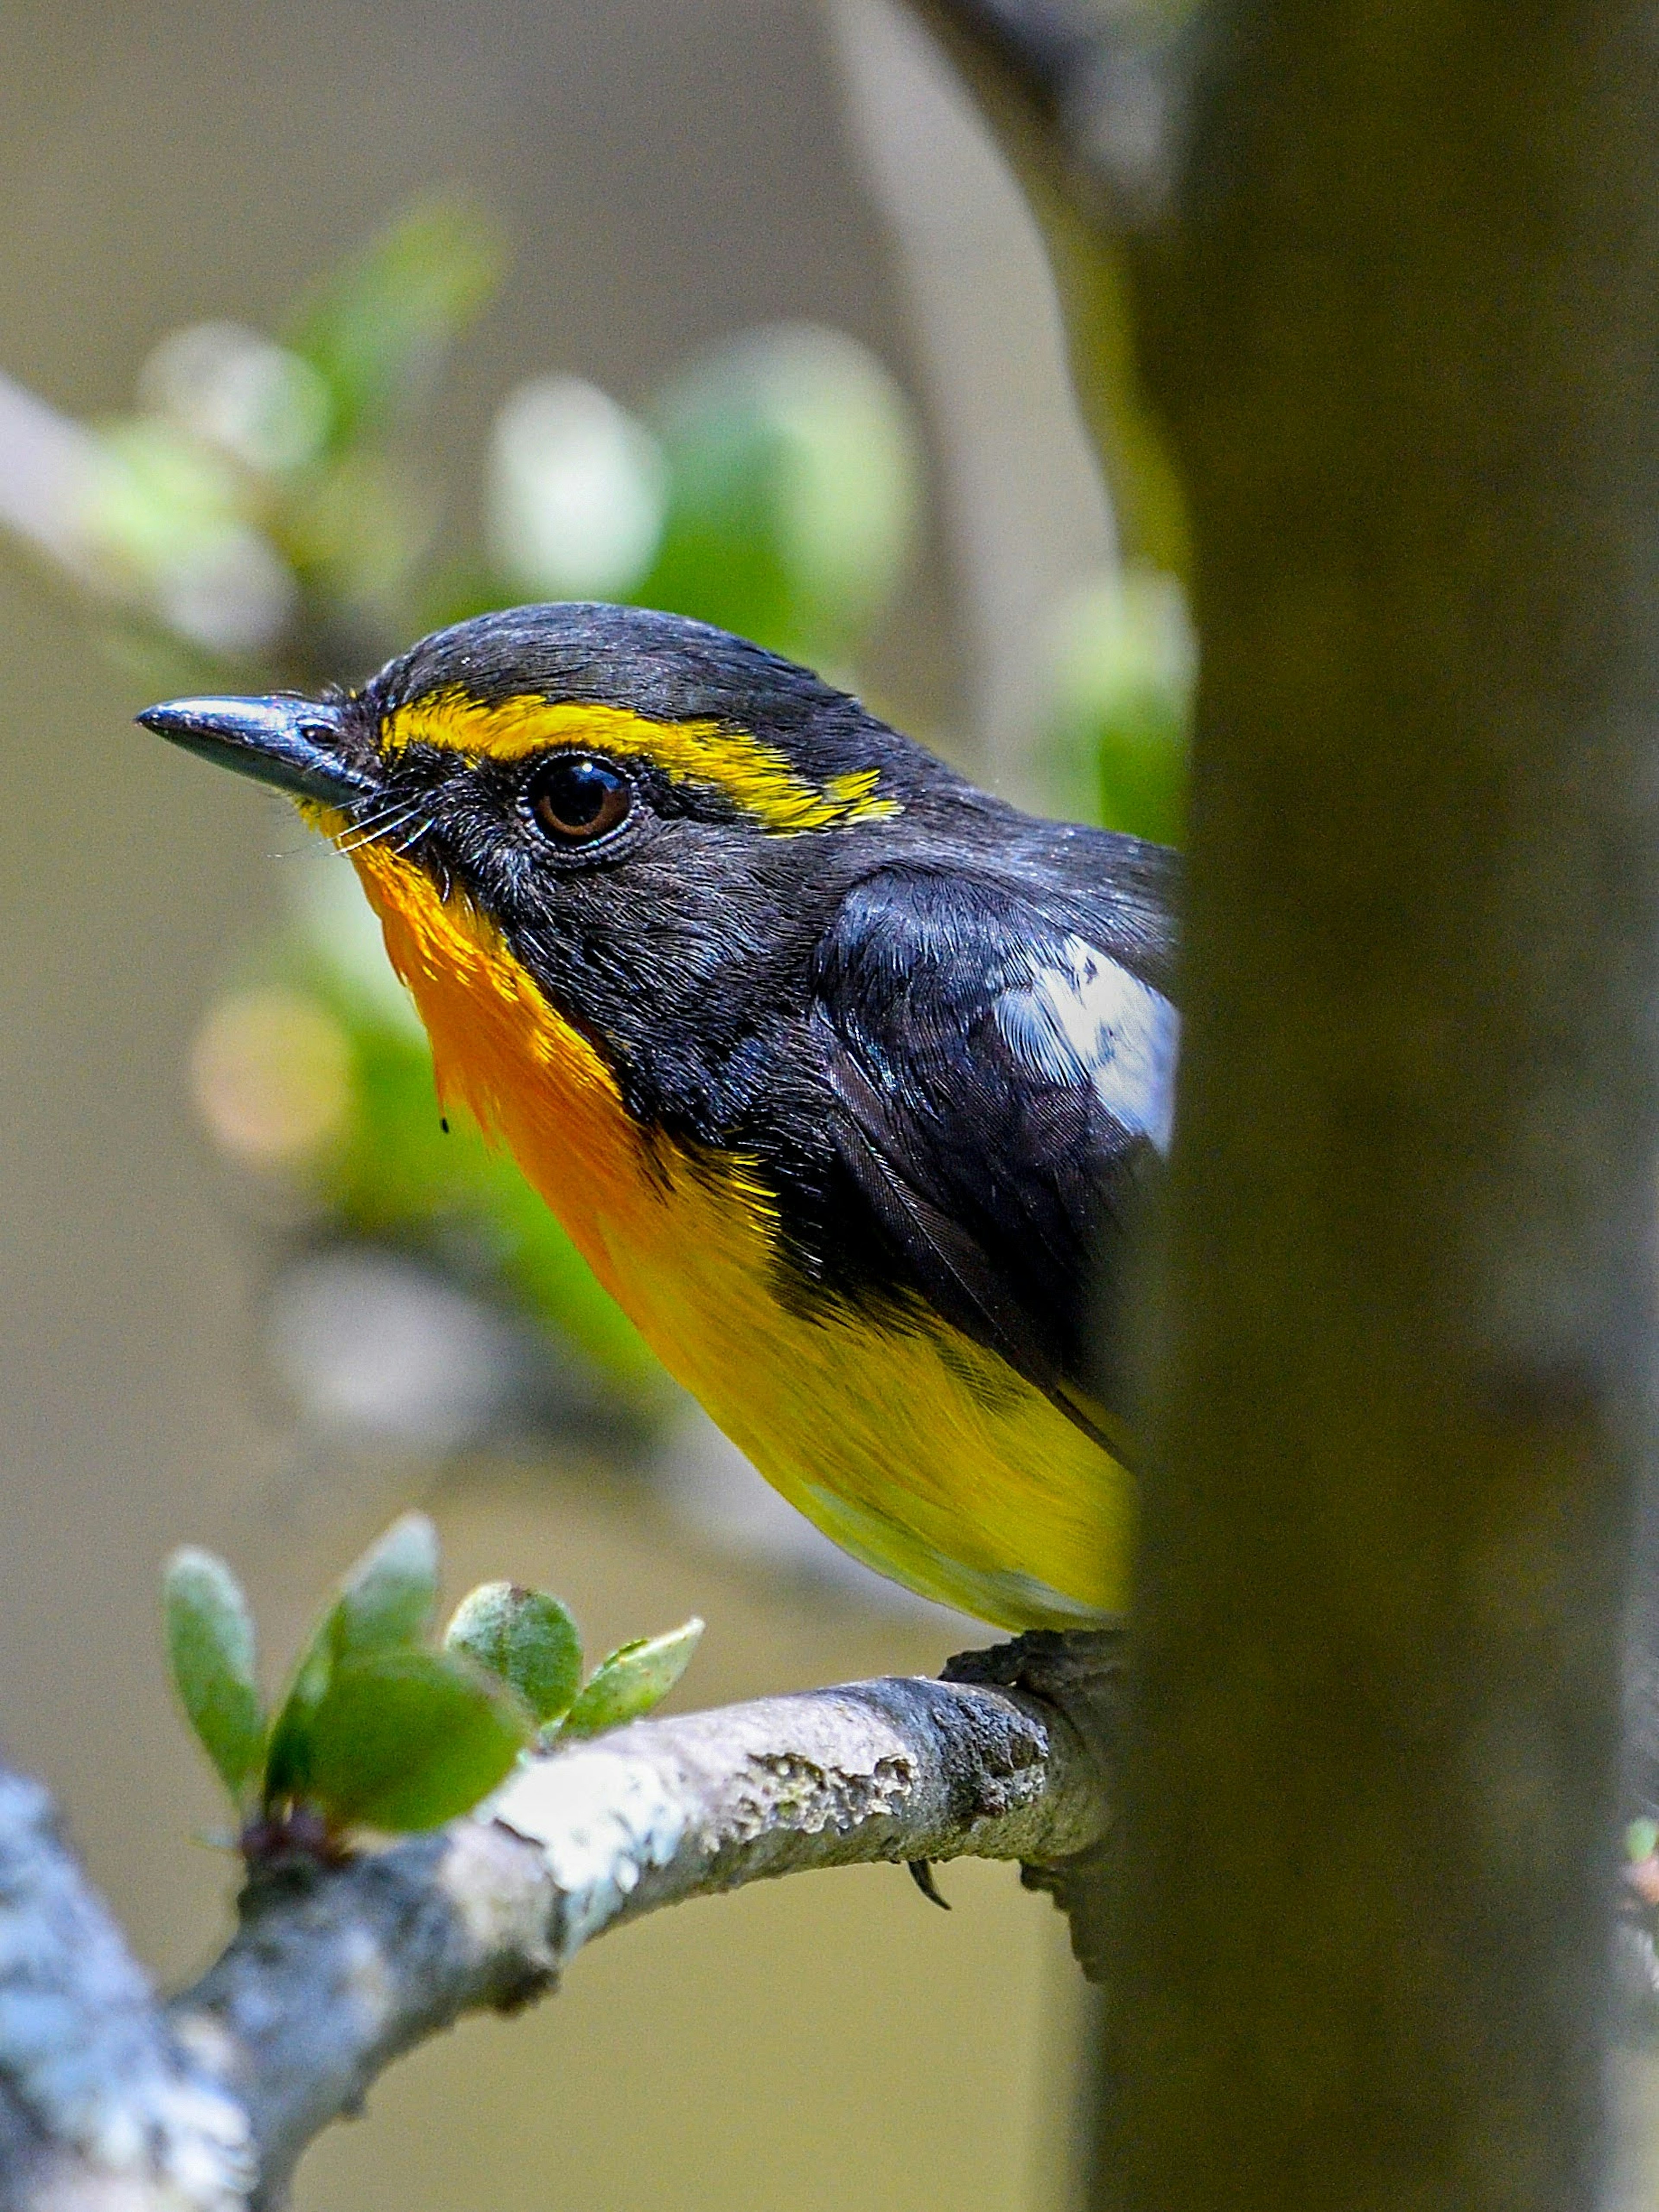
x,y
1004,1087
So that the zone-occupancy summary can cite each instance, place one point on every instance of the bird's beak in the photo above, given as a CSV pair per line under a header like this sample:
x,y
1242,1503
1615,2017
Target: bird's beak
x,y
294,744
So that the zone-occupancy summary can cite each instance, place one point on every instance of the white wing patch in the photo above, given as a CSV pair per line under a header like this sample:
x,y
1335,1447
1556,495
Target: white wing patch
x,y
1084,1019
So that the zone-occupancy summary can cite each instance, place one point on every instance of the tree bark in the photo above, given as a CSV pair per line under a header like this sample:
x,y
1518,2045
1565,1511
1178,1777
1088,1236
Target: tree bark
x,y
1397,272
1404,329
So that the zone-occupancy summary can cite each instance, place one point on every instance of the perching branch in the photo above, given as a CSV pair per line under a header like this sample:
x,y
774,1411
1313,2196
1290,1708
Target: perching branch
x,y
334,1973
95,2089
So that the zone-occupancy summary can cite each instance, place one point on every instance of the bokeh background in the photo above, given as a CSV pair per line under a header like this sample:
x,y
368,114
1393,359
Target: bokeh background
x,y
728,305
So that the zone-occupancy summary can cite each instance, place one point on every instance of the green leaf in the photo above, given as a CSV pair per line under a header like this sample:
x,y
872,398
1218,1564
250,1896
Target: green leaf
x,y
793,491
385,1604
387,1598
527,1638
377,329
209,1635
635,1677
410,1739
1641,1840
1120,710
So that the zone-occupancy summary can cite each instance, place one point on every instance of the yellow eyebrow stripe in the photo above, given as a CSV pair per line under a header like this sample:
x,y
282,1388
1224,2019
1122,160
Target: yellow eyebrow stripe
x,y
757,776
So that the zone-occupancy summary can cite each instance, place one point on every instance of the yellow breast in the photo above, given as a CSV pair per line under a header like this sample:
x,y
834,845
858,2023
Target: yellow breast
x,y
916,1449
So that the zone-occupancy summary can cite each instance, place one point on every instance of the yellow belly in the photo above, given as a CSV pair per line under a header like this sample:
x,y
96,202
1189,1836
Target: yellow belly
x,y
924,1456
917,1451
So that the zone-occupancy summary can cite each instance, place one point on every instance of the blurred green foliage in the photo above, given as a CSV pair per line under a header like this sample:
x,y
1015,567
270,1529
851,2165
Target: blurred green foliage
x,y
792,493
262,511
377,327
1119,707
378,1727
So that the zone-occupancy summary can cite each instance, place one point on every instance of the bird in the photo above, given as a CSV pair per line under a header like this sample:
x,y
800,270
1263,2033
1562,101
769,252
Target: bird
x,y
851,1081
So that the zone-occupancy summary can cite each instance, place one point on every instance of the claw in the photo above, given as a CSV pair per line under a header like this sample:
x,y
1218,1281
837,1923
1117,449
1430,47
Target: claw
x,y
921,1873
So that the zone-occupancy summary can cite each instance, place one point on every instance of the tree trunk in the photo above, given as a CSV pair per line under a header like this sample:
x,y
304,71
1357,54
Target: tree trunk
x,y
1404,325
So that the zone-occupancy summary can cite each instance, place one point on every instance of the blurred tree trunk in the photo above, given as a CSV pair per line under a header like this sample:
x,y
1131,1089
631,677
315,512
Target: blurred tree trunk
x,y
1399,306
1406,334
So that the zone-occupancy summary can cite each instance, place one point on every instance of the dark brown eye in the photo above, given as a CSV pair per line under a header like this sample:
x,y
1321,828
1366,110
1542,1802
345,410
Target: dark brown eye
x,y
578,799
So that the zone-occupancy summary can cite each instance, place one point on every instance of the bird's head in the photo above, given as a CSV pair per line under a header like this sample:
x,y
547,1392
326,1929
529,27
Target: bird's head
x,y
651,817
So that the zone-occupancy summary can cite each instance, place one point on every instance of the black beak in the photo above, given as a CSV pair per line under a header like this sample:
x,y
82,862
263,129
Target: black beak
x,y
291,744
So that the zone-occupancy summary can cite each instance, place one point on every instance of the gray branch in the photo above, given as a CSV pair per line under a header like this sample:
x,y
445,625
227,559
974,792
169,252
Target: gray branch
x,y
95,2089
334,1971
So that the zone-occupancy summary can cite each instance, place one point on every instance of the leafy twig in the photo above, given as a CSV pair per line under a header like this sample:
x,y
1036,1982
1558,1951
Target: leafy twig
x,y
337,1969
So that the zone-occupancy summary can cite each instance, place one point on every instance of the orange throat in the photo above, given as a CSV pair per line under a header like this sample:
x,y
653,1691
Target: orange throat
x,y
538,1084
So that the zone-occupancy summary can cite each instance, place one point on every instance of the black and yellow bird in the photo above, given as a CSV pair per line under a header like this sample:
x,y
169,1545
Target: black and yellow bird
x,y
847,1079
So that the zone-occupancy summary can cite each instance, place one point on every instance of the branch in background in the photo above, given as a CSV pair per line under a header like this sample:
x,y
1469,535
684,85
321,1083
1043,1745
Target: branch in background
x,y
1089,101
48,472
1097,90
334,1973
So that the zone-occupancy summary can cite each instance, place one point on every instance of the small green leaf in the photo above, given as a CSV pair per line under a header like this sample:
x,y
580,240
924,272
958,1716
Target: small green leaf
x,y
793,491
377,327
211,1649
385,1604
386,1599
635,1677
409,1738
527,1638
1641,1840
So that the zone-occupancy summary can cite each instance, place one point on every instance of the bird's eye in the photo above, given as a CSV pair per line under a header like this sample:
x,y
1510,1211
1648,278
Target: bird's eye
x,y
578,800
